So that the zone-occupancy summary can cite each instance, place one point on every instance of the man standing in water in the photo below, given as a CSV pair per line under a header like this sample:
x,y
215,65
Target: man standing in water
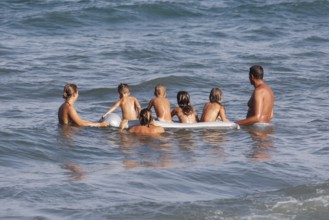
x,y
261,102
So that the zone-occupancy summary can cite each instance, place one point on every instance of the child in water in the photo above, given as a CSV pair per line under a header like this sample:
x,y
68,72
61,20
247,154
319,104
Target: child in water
x,y
214,110
129,105
160,103
185,112
147,125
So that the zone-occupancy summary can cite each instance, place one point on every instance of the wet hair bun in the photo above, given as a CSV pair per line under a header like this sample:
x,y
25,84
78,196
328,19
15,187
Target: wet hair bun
x,y
145,117
69,90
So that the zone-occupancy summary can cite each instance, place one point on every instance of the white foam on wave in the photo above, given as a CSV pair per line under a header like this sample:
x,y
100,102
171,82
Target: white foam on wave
x,y
297,206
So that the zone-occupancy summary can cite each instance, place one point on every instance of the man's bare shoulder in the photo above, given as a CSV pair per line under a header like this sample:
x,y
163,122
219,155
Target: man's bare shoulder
x,y
263,90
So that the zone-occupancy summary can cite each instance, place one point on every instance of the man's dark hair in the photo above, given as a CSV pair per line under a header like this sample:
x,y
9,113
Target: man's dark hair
x,y
256,71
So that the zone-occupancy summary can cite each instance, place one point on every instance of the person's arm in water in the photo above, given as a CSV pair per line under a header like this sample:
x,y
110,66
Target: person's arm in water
x,y
258,106
115,106
173,112
196,116
76,119
137,107
151,104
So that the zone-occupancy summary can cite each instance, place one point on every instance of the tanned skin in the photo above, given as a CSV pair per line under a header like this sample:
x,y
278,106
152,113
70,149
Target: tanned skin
x,y
128,105
147,130
192,118
213,111
147,124
261,103
161,104
67,115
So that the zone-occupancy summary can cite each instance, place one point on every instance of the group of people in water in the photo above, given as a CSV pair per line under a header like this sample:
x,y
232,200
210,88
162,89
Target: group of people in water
x,y
260,105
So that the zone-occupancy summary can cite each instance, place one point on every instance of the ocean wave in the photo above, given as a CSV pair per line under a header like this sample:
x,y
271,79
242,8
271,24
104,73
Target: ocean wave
x,y
64,15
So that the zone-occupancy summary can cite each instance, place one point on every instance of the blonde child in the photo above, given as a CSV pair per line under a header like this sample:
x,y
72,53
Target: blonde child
x,y
214,110
160,103
129,105
185,112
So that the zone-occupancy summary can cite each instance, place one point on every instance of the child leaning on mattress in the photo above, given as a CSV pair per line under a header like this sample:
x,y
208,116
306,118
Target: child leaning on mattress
x,y
185,112
214,110
160,103
129,105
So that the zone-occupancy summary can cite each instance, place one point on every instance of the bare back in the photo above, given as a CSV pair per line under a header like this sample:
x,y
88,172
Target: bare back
x,y
129,105
63,114
162,108
192,118
151,130
213,111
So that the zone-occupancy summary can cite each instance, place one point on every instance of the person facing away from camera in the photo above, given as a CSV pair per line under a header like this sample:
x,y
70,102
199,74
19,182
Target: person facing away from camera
x,y
130,107
185,112
147,124
160,103
214,110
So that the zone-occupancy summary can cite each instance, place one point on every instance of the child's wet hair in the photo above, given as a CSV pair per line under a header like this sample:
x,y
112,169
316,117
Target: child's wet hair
x,y
158,89
145,117
183,100
215,96
69,90
123,88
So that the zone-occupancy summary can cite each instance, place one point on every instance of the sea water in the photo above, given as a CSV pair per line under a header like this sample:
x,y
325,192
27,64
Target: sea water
x,y
258,172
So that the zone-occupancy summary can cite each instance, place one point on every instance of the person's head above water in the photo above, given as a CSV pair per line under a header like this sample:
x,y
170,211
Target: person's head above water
x,y
160,89
256,71
183,100
145,117
123,89
215,95
69,90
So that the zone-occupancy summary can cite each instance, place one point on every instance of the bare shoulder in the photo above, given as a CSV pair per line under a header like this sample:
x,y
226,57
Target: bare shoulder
x,y
165,100
133,129
68,108
206,105
146,130
264,89
135,99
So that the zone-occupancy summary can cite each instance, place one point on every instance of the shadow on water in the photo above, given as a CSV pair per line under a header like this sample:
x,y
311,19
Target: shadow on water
x,y
174,149
262,141
213,137
145,151
66,134
66,138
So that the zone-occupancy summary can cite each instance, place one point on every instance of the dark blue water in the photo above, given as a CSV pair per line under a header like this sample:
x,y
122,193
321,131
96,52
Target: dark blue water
x,y
275,172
